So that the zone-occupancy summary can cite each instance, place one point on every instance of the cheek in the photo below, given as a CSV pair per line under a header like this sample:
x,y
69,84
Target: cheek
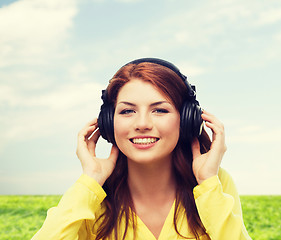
x,y
171,127
173,123
120,128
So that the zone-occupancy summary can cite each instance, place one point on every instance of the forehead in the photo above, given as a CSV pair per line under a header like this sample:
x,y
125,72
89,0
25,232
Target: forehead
x,y
139,90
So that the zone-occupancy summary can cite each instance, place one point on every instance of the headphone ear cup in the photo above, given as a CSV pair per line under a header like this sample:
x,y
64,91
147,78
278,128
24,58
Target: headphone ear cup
x,y
105,122
197,121
191,121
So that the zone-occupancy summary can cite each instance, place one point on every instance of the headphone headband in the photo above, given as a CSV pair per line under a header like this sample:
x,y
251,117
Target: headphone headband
x,y
190,115
191,88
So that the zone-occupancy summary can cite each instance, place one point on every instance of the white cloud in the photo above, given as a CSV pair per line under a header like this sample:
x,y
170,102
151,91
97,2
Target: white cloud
x,y
128,1
78,71
64,97
250,129
8,96
270,16
121,1
190,69
33,30
256,134
43,115
218,18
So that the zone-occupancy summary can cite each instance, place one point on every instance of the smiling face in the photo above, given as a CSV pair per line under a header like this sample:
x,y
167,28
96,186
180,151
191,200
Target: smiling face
x,y
146,123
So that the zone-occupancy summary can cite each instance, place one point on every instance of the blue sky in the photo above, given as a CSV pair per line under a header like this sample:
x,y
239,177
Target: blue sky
x,y
57,56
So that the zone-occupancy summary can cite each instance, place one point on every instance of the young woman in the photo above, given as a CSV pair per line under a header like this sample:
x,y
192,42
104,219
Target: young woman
x,y
162,179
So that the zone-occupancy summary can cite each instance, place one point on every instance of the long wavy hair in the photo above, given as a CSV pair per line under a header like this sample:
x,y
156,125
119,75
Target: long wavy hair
x,y
118,201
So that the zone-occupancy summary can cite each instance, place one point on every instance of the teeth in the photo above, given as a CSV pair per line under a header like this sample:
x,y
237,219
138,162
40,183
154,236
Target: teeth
x,y
144,140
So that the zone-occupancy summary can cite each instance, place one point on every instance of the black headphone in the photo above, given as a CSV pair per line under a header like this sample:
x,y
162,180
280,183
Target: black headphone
x,y
191,123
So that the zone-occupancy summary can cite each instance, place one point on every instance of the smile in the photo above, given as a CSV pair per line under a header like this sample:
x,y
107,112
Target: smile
x,y
144,140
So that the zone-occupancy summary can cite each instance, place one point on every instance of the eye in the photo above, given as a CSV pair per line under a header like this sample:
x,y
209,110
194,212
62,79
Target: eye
x,y
160,110
126,111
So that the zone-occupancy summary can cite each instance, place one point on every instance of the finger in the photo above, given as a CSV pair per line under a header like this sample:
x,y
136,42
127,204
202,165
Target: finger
x,y
195,147
89,132
208,117
86,127
89,128
218,137
92,143
212,122
94,138
92,122
205,112
82,139
217,128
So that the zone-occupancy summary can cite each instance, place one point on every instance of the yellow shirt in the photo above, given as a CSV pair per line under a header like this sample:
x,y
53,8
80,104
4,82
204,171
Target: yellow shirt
x,y
216,199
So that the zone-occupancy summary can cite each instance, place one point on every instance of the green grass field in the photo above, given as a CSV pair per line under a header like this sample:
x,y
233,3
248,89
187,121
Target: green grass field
x,y
22,216
262,216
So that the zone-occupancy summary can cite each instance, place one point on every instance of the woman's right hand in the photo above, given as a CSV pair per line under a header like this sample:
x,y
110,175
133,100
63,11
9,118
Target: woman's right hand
x,y
97,168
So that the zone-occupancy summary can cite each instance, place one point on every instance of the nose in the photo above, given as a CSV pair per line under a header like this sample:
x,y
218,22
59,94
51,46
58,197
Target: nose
x,y
143,122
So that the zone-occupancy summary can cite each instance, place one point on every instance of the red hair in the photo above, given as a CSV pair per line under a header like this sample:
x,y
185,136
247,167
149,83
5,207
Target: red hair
x,y
118,201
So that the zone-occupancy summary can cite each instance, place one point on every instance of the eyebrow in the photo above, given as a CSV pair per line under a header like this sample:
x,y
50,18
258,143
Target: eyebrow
x,y
152,104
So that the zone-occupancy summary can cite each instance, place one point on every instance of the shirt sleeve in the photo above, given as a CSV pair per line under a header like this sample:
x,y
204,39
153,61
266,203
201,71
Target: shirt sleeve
x,y
67,221
219,208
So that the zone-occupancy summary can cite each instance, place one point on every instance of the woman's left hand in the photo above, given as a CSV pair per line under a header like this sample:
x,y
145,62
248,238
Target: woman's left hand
x,y
207,165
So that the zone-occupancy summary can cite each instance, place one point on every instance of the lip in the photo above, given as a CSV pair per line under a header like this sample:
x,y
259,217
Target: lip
x,y
144,145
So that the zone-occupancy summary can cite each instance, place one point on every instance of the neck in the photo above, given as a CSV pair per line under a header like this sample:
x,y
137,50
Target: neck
x,y
147,181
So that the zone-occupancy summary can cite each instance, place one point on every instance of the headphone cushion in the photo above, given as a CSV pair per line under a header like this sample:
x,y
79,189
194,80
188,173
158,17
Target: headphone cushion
x,y
105,122
191,120
197,121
